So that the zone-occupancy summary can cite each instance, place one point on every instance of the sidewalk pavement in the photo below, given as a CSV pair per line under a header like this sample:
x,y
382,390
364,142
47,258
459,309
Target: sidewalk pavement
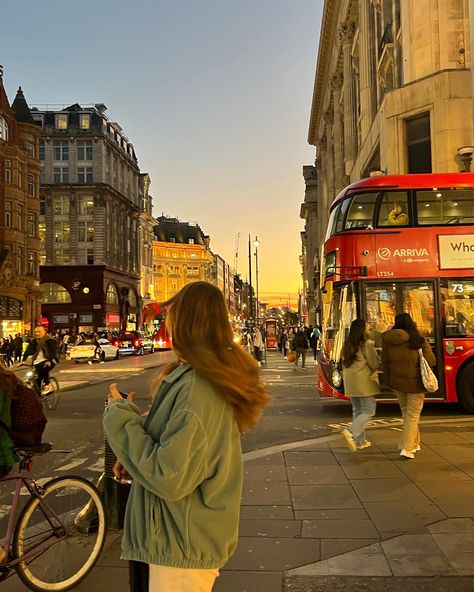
x,y
317,517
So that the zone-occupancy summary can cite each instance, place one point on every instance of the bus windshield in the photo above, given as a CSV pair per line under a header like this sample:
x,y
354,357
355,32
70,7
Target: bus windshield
x,y
337,321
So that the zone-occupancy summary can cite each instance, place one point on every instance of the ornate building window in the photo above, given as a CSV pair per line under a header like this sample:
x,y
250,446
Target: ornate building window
x,y
84,175
3,129
31,224
84,121
31,185
8,172
112,296
61,150
52,293
8,214
84,150
61,121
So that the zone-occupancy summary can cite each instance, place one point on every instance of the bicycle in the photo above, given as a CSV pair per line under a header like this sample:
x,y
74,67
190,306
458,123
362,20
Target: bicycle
x,y
52,544
49,394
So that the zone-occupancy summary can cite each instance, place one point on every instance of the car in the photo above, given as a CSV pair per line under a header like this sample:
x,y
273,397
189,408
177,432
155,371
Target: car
x,y
91,350
134,343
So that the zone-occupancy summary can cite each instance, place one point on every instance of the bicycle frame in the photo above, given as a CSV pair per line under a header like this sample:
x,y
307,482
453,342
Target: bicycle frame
x,y
35,491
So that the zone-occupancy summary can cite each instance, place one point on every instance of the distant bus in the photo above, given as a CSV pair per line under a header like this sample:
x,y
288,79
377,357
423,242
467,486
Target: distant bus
x,y
154,324
376,264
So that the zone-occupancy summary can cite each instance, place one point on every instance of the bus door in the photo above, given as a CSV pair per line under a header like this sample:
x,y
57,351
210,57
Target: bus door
x,y
383,301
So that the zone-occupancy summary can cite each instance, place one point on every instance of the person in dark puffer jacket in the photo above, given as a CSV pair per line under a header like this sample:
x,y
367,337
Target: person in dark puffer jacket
x,y
401,368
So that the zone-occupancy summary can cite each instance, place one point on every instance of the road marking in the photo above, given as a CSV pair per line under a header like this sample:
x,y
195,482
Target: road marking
x,y
88,369
72,465
98,466
42,481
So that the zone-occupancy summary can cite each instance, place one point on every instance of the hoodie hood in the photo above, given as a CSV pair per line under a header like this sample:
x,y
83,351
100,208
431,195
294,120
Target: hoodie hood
x,y
396,337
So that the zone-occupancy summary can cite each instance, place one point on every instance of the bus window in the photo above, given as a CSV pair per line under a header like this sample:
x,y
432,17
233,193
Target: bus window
x,y
418,302
361,211
457,307
381,310
337,319
341,215
332,222
445,206
393,210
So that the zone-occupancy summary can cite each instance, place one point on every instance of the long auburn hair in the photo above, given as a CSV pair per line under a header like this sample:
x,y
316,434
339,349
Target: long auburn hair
x,y
8,382
354,340
198,321
405,322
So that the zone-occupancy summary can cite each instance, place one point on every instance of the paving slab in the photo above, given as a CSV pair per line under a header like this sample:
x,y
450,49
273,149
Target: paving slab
x,y
459,549
416,555
456,525
440,471
405,516
441,437
265,472
271,511
457,510
273,554
270,528
316,475
256,492
339,529
454,452
445,493
271,459
331,514
372,469
248,581
368,561
308,497
333,547
309,458
384,490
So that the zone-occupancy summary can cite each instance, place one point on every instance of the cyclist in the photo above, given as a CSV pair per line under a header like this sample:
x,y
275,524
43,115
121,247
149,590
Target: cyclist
x,y
43,349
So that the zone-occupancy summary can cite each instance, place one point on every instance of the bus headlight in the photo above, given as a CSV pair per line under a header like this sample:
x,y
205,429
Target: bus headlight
x,y
336,378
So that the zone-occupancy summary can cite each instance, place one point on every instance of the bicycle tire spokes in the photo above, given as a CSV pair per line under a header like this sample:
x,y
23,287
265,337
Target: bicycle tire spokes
x,y
61,536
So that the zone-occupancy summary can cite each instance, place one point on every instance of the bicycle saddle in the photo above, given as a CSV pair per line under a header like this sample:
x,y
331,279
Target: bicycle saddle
x,y
33,450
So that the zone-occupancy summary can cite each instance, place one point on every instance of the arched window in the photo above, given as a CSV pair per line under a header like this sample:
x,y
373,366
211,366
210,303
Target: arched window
x,y
52,293
132,298
3,128
112,296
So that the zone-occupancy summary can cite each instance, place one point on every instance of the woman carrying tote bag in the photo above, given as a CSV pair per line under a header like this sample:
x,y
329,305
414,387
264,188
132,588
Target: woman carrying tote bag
x,y
401,369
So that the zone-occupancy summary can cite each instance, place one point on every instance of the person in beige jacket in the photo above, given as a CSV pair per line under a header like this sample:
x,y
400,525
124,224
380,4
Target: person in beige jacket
x,y
401,370
359,362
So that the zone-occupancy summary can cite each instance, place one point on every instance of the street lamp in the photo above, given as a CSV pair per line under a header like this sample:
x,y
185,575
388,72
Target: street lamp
x,y
250,298
256,244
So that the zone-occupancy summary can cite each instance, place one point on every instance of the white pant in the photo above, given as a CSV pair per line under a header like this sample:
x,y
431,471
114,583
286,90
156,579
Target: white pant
x,y
176,579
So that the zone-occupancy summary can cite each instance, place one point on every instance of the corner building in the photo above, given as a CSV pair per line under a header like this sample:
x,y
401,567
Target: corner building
x,y
91,200
19,214
392,93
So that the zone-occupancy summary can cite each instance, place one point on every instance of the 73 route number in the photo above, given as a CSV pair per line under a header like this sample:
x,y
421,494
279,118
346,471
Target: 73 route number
x,y
385,273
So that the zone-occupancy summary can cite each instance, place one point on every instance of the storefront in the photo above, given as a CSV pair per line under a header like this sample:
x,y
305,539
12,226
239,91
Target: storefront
x,y
11,316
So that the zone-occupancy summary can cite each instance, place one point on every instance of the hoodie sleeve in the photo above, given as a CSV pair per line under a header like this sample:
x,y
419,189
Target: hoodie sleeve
x,y
371,356
428,354
171,468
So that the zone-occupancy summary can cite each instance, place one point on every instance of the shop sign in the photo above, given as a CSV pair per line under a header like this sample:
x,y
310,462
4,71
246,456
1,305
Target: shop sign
x,y
456,251
10,308
85,318
61,319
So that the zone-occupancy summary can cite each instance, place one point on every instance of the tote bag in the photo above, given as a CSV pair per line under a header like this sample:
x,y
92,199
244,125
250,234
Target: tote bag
x,y
428,378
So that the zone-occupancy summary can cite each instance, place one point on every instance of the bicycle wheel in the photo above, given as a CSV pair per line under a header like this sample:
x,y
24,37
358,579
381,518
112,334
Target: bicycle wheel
x,y
69,516
51,399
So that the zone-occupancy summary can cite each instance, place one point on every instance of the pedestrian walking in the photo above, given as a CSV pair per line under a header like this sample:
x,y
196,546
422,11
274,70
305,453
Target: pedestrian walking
x,y
314,341
300,346
186,461
359,370
257,345
17,347
401,370
284,343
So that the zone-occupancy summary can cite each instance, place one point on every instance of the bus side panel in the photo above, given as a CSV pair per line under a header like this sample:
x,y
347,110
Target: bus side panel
x,y
453,362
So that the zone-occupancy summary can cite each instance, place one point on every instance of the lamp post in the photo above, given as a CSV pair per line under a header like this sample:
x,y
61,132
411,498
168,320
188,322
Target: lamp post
x,y
250,308
256,244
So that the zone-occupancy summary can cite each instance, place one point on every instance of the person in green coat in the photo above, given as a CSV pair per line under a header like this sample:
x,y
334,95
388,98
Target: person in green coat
x,y
185,460
8,386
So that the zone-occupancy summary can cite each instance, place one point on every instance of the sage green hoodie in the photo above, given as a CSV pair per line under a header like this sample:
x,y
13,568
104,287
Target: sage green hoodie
x,y
186,464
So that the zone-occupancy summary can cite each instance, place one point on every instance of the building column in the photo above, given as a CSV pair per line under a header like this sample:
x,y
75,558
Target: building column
x,y
100,225
346,36
321,167
336,85
367,53
329,121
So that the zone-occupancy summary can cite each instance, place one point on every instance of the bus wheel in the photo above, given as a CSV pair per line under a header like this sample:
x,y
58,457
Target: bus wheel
x,y
466,388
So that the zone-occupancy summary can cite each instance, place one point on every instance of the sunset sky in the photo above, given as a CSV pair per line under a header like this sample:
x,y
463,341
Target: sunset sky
x,y
214,94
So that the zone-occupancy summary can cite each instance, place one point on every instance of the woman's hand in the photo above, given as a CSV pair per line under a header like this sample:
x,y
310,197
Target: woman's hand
x,y
120,472
114,395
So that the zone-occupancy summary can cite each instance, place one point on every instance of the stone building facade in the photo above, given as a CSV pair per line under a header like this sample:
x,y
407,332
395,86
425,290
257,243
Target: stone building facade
x,y
309,246
146,224
392,93
19,213
90,216
181,255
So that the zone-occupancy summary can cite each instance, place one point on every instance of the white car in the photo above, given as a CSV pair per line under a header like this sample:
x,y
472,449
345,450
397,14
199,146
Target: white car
x,y
93,351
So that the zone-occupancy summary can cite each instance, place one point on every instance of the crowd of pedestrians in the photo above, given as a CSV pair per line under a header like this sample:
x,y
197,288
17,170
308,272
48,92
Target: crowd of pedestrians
x,y
295,342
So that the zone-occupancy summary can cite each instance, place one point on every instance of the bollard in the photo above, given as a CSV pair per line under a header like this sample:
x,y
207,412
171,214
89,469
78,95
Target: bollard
x,y
115,493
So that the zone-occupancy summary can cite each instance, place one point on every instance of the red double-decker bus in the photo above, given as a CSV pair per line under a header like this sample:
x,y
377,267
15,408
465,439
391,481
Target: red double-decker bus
x,y
403,244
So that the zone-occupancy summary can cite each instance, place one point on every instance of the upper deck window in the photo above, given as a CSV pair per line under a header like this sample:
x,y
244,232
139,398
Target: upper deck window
x,y
393,209
361,211
445,206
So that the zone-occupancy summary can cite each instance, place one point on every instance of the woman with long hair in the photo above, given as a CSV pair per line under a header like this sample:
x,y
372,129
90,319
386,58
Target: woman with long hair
x,y
185,460
401,370
359,370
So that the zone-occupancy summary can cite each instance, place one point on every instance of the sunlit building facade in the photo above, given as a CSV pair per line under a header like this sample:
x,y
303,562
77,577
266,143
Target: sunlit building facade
x,y
181,255
19,214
